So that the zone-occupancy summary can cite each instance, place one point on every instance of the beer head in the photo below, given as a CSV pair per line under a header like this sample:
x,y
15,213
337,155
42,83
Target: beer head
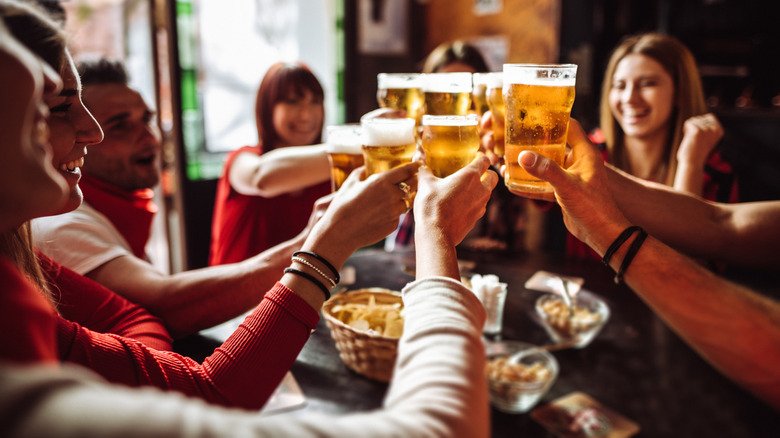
x,y
344,139
447,82
399,80
447,93
402,91
553,75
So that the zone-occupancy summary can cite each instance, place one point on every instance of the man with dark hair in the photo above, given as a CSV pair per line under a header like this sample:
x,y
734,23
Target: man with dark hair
x,y
105,238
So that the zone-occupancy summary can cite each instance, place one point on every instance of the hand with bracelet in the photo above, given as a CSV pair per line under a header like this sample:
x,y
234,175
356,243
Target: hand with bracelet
x,y
737,331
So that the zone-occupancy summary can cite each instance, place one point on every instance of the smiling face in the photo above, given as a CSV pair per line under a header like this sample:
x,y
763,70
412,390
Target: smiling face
x,y
72,129
298,119
642,97
130,153
29,185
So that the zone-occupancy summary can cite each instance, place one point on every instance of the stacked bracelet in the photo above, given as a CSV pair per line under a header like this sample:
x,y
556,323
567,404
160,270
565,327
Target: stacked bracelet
x,y
630,253
311,278
322,274
322,260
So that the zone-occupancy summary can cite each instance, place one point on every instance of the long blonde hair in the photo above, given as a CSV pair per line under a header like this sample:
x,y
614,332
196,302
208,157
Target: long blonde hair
x,y
689,100
17,246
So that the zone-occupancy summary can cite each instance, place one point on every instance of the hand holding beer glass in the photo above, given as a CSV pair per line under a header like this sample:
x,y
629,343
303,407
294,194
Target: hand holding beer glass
x,y
538,101
344,148
449,142
387,144
447,93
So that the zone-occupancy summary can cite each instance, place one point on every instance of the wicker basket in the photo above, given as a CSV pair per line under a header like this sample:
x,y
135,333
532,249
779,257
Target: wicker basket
x,y
370,355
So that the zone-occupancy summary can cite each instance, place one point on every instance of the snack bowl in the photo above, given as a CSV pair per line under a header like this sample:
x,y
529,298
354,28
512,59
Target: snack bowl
x,y
519,375
590,315
366,325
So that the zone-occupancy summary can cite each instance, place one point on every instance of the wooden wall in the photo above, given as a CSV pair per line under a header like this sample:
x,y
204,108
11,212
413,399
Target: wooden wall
x,y
531,27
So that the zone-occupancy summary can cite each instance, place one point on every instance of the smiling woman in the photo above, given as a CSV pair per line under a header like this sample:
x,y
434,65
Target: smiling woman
x,y
267,191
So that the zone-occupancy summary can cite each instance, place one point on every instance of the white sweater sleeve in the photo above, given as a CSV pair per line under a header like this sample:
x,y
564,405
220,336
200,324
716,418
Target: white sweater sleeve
x,y
438,389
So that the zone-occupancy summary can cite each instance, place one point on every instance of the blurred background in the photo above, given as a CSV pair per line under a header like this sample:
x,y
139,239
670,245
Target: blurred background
x,y
199,62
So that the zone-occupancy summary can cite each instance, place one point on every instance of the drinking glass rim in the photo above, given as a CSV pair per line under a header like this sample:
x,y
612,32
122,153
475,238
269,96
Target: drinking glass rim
x,y
450,120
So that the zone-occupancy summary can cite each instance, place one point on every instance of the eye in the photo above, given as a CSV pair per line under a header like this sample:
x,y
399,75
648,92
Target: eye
x,y
618,85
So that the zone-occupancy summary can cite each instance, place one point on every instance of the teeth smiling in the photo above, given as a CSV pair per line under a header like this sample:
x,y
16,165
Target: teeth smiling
x,y
70,166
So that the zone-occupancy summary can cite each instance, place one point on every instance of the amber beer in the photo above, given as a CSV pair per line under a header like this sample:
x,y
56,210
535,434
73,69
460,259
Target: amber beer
x,y
344,147
538,101
447,93
402,91
450,142
387,143
479,93
495,99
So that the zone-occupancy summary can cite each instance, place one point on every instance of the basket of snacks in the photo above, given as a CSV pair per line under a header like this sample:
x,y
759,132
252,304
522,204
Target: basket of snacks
x,y
366,325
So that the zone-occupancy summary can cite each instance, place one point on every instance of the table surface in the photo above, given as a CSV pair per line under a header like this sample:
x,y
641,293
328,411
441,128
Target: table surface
x,y
635,366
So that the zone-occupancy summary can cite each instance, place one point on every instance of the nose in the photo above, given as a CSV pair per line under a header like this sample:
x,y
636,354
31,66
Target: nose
x,y
630,94
88,130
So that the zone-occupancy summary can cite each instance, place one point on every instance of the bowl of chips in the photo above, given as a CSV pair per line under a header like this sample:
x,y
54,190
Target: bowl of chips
x,y
366,325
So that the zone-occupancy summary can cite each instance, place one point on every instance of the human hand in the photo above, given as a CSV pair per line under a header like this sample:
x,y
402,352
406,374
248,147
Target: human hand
x,y
582,190
700,136
486,138
447,208
362,212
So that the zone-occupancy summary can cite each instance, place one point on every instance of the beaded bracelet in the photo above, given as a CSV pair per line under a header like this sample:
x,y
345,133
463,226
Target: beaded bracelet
x,y
322,274
618,242
324,262
632,250
311,278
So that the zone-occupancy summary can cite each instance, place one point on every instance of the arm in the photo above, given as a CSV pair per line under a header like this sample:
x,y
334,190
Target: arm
x,y
735,329
279,171
700,135
743,234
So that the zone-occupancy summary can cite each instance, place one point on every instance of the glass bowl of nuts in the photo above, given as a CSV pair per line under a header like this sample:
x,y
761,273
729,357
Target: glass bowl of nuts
x,y
575,327
518,374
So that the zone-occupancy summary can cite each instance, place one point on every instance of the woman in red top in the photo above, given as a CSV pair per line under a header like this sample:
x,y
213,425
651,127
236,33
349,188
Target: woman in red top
x,y
246,369
267,191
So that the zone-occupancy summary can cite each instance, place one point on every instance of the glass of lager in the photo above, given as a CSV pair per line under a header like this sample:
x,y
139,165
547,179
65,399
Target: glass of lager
x,y
447,94
479,93
344,146
401,91
495,99
538,101
387,143
449,142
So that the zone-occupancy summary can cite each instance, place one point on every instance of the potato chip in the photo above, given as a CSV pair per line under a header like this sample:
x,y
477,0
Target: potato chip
x,y
382,319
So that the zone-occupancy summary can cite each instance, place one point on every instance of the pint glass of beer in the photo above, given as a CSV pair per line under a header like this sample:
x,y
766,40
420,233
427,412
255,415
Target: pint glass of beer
x,y
344,146
449,142
479,93
495,99
538,101
401,91
447,93
387,143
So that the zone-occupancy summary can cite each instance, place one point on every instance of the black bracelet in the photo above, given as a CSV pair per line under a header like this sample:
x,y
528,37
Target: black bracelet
x,y
619,241
311,278
324,262
632,250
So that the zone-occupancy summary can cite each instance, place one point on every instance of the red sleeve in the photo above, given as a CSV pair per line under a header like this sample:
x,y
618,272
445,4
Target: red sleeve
x,y
243,372
720,181
90,304
27,325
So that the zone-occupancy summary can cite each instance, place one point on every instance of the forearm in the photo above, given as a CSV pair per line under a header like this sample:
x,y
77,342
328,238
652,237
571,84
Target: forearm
x,y
434,255
689,178
286,170
733,328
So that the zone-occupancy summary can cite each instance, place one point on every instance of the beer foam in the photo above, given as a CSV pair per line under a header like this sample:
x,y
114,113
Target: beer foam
x,y
388,132
494,80
399,80
448,82
467,120
344,139
529,74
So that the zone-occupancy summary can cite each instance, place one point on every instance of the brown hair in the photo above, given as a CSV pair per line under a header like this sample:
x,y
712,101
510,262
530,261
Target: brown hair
x,y
281,80
456,51
689,100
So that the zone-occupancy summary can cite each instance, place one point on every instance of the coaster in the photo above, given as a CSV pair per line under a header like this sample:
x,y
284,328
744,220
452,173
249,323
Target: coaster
x,y
578,415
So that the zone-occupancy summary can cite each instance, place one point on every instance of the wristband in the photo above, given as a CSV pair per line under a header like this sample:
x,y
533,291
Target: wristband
x,y
322,274
324,262
618,242
325,290
632,250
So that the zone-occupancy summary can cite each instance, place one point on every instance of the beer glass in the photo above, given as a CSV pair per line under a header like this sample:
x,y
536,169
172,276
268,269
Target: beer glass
x,y
495,99
538,101
479,93
447,93
344,147
449,142
387,143
402,91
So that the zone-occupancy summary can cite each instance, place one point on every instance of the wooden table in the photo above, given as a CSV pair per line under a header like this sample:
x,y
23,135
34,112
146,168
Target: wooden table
x,y
636,365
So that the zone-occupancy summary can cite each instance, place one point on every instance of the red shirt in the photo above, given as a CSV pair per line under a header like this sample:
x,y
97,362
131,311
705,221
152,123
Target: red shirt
x,y
244,226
